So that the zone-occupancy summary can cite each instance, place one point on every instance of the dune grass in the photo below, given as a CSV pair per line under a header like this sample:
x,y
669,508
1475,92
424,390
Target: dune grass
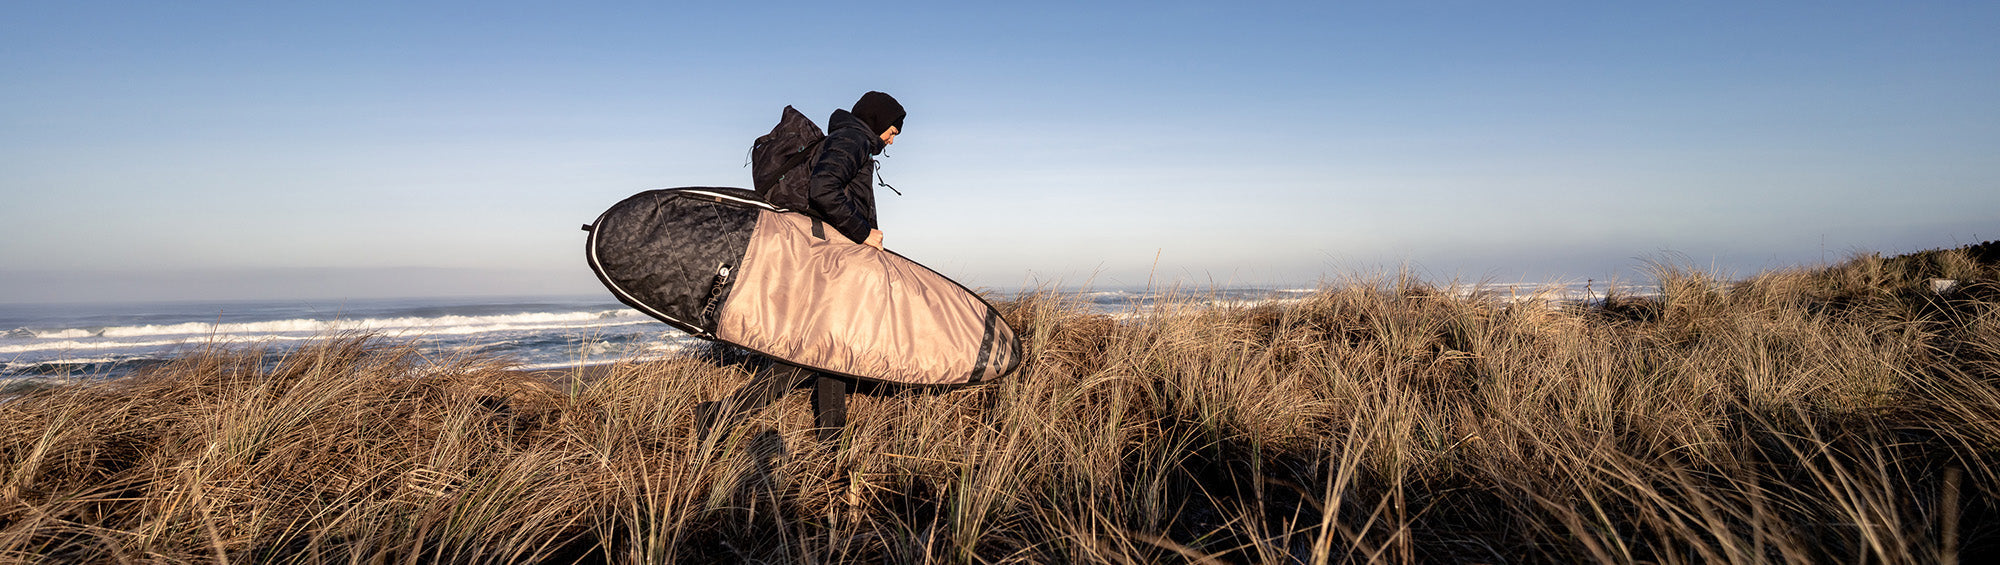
x,y
1847,414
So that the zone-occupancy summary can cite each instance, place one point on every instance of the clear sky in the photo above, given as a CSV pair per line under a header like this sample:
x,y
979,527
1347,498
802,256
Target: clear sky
x,y
202,150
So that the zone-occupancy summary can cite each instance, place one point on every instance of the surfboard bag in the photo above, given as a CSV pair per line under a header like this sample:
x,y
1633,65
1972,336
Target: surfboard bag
x,y
724,265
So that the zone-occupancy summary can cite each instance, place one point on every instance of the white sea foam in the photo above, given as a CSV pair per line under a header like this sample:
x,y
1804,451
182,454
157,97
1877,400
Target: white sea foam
x,y
670,346
600,352
547,366
62,334
492,328
530,333
72,345
551,365
66,361
158,336
453,325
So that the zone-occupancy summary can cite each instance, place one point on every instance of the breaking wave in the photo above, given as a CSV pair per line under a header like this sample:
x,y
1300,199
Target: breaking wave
x,y
529,334
448,325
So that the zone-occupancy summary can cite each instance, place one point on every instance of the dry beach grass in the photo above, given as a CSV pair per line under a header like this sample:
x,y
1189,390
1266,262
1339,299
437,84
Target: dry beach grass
x,y
1845,414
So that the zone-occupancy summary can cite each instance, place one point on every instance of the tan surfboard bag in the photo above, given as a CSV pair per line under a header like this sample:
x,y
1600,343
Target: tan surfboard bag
x,y
724,265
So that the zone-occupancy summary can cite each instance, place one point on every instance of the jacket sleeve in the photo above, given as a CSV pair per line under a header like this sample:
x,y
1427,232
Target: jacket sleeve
x,y
840,159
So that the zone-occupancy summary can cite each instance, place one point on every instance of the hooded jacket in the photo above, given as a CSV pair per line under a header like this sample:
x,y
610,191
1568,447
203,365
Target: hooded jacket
x,y
843,177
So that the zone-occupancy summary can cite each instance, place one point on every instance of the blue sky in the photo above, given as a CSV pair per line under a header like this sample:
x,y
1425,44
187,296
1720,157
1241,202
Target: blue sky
x,y
245,150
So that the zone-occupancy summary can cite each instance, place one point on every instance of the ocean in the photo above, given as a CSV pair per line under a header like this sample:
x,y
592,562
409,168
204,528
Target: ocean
x,y
538,332
535,333
109,340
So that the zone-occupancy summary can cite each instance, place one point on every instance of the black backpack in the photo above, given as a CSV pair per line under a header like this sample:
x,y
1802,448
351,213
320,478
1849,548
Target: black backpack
x,y
781,161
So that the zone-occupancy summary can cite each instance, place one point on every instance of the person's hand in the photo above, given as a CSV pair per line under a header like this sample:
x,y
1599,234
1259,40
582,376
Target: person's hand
x,y
874,239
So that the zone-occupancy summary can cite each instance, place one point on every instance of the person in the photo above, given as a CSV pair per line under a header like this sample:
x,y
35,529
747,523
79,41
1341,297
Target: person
x,y
843,177
843,194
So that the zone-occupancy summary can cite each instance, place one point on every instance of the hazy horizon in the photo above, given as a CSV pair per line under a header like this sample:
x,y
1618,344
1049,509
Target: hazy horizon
x,y
334,283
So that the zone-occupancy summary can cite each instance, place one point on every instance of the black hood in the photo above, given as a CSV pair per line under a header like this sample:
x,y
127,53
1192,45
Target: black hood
x,y
844,120
880,110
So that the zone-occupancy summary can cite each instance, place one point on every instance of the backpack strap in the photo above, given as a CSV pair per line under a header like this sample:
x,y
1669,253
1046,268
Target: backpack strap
x,y
791,161
809,152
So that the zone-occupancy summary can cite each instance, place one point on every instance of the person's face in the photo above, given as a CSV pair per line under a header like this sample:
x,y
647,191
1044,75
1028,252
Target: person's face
x,y
889,137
